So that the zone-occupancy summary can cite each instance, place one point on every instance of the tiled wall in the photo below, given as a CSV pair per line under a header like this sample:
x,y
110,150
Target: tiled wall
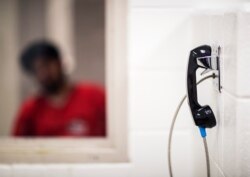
x,y
229,141
161,33
235,144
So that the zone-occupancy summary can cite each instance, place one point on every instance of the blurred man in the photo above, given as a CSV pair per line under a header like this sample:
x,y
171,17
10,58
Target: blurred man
x,y
60,108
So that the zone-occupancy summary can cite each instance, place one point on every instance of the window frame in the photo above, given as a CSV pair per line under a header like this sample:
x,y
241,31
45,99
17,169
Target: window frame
x,y
114,147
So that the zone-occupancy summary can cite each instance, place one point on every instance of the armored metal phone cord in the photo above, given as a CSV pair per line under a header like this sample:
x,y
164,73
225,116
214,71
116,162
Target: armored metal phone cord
x,y
207,156
202,131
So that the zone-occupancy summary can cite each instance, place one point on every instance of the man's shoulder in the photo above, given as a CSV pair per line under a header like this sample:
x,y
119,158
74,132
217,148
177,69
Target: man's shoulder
x,y
89,88
31,102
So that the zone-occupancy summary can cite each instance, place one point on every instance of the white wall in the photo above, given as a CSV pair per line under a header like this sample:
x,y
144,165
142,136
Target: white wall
x,y
228,26
234,136
161,33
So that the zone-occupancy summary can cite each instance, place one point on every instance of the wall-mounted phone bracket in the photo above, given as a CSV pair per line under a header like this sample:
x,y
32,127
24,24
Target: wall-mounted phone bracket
x,y
207,58
216,56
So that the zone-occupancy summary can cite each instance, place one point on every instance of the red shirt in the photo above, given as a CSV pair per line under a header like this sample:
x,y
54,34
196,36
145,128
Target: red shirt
x,y
82,115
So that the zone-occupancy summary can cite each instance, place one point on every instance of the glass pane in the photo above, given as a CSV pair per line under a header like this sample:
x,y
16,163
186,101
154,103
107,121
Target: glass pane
x,y
59,69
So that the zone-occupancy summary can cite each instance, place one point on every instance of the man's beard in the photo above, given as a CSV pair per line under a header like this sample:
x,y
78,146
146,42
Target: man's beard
x,y
54,87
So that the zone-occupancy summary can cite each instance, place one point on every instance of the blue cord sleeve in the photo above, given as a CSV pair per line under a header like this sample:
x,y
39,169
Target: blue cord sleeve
x,y
203,132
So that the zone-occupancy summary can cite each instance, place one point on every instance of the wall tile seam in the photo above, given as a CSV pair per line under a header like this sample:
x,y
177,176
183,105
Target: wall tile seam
x,y
171,7
160,132
157,69
236,96
222,6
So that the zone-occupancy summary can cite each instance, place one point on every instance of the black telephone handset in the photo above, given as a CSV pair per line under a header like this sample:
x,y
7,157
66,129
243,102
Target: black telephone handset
x,y
200,57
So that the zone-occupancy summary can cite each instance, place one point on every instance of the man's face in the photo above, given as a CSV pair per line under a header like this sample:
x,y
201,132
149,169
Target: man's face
x,y
49,74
